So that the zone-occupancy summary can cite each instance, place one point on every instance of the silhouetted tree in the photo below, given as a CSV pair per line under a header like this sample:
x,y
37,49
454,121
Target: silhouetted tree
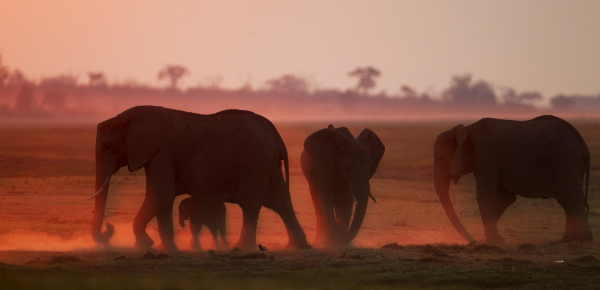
x,y
245,88
511,97
408,92
426,99
214,82
61,81
463,92
366,77
173,73
562,102
54,99
96,79
3,73
25,98
16,78
288,84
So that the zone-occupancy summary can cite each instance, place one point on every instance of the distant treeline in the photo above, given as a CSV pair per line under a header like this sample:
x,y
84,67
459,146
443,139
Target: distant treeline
x,y
287,97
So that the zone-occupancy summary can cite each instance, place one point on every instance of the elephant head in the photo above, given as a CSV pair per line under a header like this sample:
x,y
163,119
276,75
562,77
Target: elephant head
x,y
131,138
449,164
338,156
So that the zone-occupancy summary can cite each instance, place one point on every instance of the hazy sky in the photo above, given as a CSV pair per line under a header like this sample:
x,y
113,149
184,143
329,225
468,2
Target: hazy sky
x,y
547,46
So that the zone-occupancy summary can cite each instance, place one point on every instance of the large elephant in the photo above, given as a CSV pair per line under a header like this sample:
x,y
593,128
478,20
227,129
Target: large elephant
x,y
544,157
231,156
213,216
338,168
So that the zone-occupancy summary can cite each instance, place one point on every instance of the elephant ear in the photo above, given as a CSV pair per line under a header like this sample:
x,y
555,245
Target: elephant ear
x,y
376,148
341,130
456,162
147,130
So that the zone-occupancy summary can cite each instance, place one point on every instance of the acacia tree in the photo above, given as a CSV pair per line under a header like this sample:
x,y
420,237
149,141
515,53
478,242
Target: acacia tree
x,y
511,98
288,84
96,79
173,73
562,102
464,92
366,77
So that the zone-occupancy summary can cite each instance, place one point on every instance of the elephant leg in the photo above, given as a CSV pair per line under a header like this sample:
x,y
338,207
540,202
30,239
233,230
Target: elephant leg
x,y
296,236
320,231
145,214
224,243
505,199
195,230
281,202
488,202
343,207
577,227
247,239
221,228
213,232
165,229
160,184
332,232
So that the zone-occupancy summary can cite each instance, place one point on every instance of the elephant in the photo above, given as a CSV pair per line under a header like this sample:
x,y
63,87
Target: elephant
x,y
212,216
338,168
543,157
230,156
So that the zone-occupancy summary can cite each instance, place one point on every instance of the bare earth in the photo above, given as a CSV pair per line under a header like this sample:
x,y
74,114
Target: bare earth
x,y
47,173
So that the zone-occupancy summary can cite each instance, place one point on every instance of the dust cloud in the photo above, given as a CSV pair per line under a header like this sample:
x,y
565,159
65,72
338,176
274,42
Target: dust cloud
x,y
123,238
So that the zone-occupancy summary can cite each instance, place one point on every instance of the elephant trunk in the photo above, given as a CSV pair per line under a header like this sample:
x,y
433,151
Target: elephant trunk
x,y
363,191
443,189
102,183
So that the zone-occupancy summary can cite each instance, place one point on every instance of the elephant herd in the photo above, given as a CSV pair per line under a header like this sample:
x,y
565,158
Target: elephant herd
x,y
236,156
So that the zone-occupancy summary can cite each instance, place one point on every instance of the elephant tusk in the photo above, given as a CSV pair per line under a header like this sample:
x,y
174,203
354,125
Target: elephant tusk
x,y
99,191
372,197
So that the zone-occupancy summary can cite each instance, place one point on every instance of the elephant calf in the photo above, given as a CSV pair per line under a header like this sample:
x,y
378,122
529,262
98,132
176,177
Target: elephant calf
x,y
199,213
544,157
338,168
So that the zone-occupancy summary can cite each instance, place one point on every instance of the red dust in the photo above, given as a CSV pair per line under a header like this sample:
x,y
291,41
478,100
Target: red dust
x,y
47,176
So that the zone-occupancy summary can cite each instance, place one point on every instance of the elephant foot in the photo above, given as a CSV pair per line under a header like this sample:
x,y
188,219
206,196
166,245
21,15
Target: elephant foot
x,y
144,242
349,245
584,237
495,239
303,246
196,247
327,244
225,247
245,246
169,248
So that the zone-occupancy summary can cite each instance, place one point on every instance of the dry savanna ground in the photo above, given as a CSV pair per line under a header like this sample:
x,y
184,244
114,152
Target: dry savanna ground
x,y
47,173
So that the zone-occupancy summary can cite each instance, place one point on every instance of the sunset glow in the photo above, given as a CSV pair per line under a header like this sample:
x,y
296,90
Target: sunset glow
x,y
548,46
355,144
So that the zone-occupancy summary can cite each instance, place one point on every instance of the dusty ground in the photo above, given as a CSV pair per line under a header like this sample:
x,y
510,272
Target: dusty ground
x,y
46,175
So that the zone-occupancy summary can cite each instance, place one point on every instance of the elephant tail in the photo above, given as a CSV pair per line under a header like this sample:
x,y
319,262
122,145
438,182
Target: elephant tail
x,y
286,164
586,160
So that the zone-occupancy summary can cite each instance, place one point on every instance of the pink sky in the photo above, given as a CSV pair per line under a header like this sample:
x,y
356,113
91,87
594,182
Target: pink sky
x,y
547,46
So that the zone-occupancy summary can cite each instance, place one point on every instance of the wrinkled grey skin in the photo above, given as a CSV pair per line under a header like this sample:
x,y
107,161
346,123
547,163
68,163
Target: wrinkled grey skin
x,y
231,156
544,157
212,216
338,168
